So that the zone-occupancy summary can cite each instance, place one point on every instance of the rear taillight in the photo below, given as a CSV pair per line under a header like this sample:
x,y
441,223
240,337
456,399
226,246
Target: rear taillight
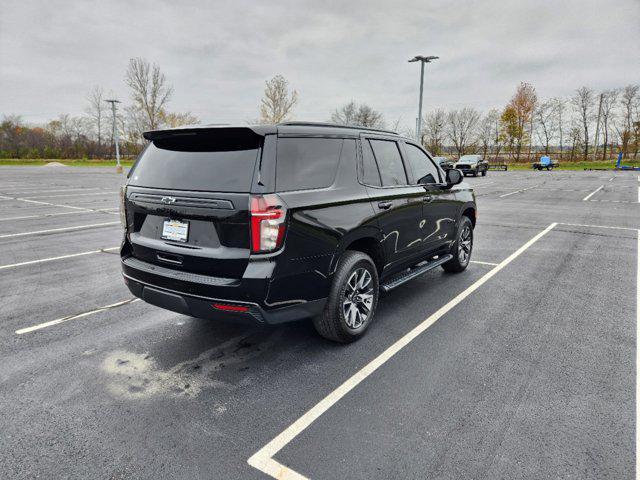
x,y
123,213
268,217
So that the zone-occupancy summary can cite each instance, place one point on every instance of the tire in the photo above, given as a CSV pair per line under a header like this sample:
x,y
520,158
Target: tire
x,y
458,263
484,173
475,173
336,323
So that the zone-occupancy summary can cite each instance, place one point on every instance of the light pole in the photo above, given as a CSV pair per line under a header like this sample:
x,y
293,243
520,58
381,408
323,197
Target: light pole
x,y
115,134
422,59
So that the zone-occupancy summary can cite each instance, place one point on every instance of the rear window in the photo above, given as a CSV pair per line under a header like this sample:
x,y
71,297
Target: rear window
x,y
221,163
306,163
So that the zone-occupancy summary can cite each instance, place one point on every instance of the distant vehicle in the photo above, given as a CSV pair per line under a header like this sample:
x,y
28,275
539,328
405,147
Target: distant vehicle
x,y
545,162
472,164
444,162
275,223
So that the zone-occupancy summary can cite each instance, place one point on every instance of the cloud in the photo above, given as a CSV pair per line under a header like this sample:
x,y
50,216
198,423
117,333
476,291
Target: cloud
x,y
218,54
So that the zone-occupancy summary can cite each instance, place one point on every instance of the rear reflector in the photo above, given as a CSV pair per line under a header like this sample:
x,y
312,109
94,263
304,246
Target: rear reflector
x,y
230,308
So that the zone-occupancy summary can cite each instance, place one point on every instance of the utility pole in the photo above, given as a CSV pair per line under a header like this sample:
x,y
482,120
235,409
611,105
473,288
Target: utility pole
x,y
595,147
422,59
115,134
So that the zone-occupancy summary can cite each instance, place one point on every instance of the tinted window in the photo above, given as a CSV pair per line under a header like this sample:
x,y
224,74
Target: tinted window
x,y
198,162
389,162
370,173
307,162
424,171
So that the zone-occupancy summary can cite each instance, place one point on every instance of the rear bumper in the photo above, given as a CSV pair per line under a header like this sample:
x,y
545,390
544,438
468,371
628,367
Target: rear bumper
x,y
196,296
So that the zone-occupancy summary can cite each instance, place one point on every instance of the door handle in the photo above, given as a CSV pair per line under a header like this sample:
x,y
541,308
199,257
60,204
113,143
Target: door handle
x,y
427,199
385,205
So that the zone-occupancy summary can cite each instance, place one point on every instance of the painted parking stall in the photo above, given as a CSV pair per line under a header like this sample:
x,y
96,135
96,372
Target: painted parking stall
x,y
523,366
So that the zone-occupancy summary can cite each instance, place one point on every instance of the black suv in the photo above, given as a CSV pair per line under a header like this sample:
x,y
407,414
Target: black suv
x,y
297,220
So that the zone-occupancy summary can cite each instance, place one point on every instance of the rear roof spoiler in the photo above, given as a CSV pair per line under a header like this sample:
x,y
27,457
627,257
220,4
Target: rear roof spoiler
x,y
260,130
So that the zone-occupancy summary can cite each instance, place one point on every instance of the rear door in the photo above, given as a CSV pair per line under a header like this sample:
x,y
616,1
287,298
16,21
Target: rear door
x,y
187,201
397,203
439,208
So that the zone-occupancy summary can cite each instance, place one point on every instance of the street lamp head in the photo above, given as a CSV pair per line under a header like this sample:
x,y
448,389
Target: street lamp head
x,y
422,58
113,101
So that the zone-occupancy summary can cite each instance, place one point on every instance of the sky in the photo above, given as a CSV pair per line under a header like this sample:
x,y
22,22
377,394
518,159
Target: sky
x,y
218,54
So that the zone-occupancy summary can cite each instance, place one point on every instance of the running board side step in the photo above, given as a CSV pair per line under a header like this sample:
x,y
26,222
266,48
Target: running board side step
x,y
414,272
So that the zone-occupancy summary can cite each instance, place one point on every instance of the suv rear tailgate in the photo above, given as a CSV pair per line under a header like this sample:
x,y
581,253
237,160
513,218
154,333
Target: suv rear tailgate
x,y
187,201
217,230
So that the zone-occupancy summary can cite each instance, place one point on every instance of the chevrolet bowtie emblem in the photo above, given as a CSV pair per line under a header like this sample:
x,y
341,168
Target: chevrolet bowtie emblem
x,y
168,200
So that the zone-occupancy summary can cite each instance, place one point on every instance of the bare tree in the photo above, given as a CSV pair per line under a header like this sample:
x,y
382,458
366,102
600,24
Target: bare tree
x,y
433,134
559,105
173,120
583,104
358,114
277,104
461,126
149,90
609,101
629,102
489,132
575,136
97,112
544,121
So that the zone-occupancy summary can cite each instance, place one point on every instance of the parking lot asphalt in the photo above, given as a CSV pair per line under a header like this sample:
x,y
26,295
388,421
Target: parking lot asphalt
x,y
523,366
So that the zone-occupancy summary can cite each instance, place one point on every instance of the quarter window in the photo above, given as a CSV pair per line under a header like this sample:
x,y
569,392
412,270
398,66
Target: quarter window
x,y
305,163
389,162
424,171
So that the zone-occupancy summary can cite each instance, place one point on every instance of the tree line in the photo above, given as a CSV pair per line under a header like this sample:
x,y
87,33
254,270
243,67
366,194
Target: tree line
x,y
587,125
92,135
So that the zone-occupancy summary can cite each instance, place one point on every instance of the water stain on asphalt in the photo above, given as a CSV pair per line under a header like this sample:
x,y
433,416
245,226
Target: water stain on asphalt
x,y
133,375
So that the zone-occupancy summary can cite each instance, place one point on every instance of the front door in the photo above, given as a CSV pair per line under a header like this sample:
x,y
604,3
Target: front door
x,y
439,208
397,203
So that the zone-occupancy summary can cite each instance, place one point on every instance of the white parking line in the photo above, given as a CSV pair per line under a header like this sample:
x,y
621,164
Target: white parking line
x,y
73,207
483,184
51,259
638,359
263,458
58,321
54,230
110,192
51,204
33,190
593,193
45,215
483,263
517,191
596,226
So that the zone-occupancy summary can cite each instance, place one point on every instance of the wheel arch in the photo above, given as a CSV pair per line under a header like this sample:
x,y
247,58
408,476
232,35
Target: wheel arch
x,y
366,241
469,210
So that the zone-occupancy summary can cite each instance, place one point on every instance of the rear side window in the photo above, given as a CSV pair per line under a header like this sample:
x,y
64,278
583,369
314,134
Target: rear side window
x,y
424,171
370,173
198,162
389,162
306,163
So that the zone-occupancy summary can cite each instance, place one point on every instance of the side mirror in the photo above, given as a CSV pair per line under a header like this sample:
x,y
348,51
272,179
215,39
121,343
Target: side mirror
x,y
454,177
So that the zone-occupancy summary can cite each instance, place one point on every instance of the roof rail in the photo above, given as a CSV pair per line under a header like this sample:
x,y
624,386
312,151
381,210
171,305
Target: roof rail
x,y
336,125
